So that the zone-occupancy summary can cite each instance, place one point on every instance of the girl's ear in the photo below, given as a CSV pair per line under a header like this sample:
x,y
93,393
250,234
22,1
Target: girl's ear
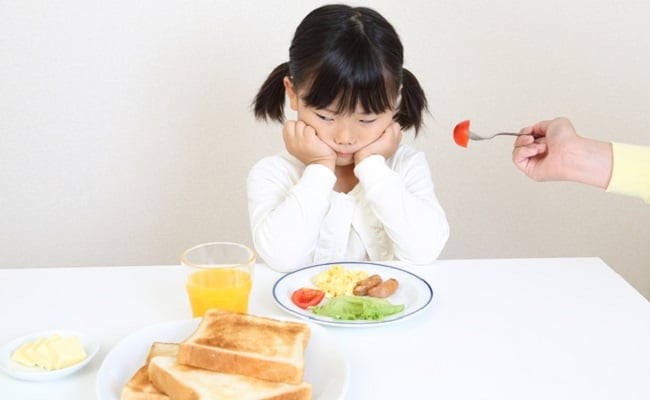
x,y
291,93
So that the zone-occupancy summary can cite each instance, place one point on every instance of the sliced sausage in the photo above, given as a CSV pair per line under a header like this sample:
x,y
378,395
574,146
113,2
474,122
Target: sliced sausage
x,y
384,289
362,287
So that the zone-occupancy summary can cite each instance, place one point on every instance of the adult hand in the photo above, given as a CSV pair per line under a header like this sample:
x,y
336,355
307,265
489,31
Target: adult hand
x,y
539,152
552,150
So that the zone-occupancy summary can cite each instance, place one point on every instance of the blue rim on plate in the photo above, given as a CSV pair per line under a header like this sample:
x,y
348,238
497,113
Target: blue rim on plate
x,y
414,292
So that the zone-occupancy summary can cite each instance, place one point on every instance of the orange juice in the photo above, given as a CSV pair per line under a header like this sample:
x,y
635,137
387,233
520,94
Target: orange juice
x,y
223,288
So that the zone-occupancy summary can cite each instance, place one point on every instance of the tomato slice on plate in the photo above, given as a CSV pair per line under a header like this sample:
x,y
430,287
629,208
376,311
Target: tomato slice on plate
x,y
307,297
461,133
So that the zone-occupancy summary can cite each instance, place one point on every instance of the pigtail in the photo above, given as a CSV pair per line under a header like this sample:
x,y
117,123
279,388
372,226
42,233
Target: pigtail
x,y
269,101
413,104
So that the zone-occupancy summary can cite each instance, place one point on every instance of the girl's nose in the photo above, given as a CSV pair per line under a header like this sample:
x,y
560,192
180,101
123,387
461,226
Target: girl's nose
x,y
344,137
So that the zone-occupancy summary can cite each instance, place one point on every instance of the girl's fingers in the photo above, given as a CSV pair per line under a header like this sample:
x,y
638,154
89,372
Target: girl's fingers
x,y
308,130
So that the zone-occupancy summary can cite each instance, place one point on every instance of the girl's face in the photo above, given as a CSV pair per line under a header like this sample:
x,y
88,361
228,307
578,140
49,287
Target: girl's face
x,y
344,133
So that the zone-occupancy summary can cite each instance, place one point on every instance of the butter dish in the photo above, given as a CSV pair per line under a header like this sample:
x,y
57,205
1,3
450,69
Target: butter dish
x,y
24,372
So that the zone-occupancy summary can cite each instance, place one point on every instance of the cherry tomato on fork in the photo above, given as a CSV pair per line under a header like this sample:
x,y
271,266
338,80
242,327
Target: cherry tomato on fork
x,y
461,133
307,297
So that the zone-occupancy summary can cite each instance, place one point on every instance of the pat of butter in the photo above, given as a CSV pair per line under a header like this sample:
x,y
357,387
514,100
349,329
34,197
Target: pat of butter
x,y
51,353
22,354
67,351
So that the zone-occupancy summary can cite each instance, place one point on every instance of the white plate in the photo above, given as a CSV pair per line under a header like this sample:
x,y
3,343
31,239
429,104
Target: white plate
x,y
325,366
20,371
414,292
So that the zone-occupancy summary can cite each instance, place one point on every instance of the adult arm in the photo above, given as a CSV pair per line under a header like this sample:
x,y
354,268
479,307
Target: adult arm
x,y
631,171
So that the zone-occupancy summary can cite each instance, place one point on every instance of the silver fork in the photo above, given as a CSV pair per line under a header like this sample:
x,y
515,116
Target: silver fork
x,y
476,136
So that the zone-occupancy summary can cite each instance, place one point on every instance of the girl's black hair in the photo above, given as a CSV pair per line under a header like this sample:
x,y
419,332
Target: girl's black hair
x,y
349,54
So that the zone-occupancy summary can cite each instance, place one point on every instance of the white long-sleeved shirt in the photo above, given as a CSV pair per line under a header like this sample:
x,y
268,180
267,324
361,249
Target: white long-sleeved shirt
x,y
297,218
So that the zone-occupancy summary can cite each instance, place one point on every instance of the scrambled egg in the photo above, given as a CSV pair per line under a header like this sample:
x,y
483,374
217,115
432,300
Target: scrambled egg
x,y
338,281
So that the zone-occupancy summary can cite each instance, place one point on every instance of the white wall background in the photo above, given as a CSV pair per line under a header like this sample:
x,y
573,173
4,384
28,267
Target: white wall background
x,y
126,133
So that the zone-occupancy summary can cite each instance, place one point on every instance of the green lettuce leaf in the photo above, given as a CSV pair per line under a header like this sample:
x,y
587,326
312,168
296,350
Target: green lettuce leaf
x,y
357,308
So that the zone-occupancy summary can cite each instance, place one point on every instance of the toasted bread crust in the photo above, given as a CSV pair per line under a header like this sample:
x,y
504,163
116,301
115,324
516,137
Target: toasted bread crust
x,y
182,382
248,345
170,384
162,349
218,360
139,387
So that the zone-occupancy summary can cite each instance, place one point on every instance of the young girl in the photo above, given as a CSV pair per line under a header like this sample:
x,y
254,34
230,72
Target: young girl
x,y
345,189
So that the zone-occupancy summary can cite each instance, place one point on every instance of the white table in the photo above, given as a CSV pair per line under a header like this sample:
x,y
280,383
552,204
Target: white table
x,y
564,328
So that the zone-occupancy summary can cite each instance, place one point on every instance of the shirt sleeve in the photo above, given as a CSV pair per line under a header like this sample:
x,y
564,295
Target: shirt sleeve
x,y
630,171
401,194
286,203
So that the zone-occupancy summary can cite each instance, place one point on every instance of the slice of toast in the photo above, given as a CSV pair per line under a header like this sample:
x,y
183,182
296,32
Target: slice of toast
x,y
182,382
246,344
139,387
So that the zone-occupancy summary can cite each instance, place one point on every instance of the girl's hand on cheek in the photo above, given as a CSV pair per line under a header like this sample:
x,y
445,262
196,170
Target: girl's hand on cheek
x,y
302,142
385,145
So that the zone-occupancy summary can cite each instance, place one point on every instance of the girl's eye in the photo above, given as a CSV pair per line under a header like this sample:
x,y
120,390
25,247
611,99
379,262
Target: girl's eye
x,y
368,121
324,117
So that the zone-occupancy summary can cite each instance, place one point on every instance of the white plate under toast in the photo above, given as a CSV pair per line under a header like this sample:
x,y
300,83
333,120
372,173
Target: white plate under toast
x,y
414,292
19,371
326,368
